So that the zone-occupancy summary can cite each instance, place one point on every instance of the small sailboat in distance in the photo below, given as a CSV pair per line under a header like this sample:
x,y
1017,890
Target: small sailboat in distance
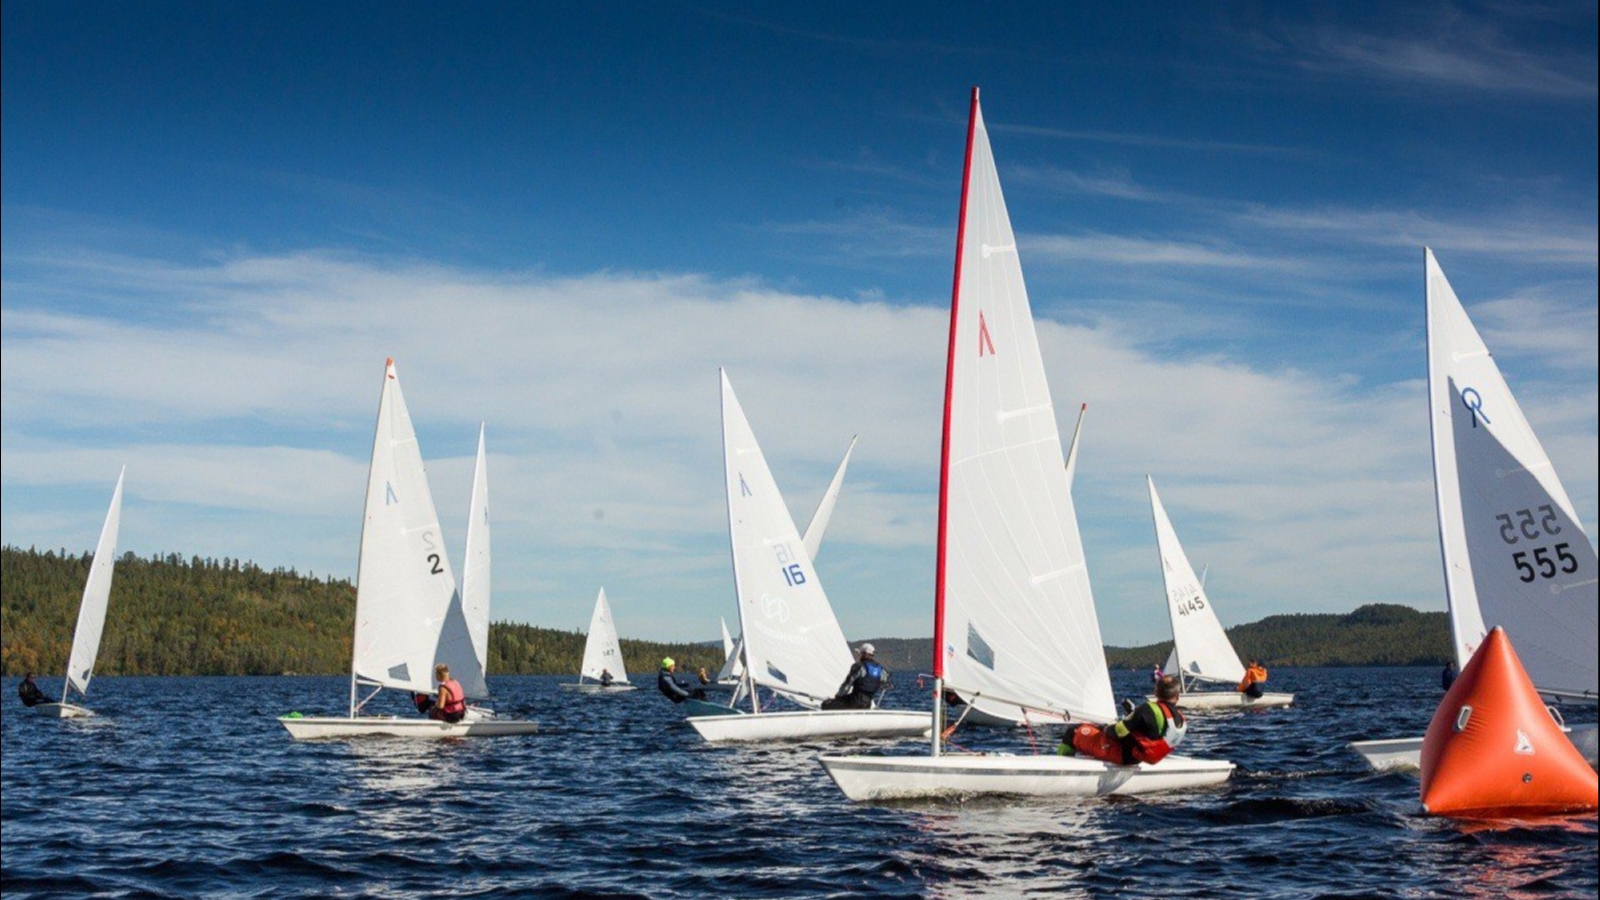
x,y
91,616
1014,622
1201,651
602,669
405,592
1513,550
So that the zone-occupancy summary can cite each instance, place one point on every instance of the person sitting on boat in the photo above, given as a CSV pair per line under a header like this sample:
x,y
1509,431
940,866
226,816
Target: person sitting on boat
x,y
1156,675
861,684
30,693
672,688
606,678
1255,675
451,704
1145,735
1448,676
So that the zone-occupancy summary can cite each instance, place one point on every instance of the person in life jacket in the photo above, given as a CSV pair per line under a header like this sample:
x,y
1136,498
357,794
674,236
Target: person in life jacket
x,y
29,692
670,687
1145,735
861,684
1255,675
451,704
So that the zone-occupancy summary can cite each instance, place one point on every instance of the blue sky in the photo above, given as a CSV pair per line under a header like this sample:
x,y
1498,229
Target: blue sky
x,y
217,220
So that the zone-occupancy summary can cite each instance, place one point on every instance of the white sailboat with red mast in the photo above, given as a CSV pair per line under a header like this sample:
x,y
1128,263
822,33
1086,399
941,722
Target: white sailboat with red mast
x,y
1014,618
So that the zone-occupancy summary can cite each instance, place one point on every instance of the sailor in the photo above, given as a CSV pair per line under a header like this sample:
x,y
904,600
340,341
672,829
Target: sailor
x,y
606,678
1448,676
30,693
861,684
451,706
1255,675
677,691
1146,735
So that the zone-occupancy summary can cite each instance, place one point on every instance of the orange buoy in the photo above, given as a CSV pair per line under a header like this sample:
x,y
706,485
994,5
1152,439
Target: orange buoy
x,y
1493,749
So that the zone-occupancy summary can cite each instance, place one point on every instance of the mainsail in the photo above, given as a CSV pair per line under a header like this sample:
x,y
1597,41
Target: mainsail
x,y
1514,554
602,651
1200,645
467,628
96,597
404,582
1015,624
792,642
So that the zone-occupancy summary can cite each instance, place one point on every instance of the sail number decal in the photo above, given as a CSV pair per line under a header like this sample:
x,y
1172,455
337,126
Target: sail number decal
x,y
793,574
1533,525
1187,599
435,558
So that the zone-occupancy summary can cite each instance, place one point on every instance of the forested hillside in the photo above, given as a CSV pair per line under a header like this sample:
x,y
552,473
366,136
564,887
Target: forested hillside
x,y
176,616
172,616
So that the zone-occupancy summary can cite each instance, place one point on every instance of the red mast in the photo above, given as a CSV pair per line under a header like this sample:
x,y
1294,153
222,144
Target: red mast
x,y
949,391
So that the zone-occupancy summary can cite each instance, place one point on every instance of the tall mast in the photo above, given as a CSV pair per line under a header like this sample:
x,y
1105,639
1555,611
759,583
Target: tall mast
x,y
944,454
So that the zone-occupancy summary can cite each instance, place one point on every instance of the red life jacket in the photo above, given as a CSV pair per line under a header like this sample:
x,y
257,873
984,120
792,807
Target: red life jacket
x,y
1151,750
456,699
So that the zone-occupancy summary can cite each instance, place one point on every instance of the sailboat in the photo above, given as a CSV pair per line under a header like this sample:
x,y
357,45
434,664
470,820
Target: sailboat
x,y
405,592
792,642
602,652
1514,553
91,616
1201,651
1014,622
730,678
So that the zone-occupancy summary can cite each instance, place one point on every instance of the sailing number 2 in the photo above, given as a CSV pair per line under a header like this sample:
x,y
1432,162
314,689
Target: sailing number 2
x,y
1527,525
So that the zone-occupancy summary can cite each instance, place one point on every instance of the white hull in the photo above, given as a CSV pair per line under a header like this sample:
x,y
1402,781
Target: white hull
x,y
62,711
812,724
314,728
1231,700
590,687
865,778
1405,754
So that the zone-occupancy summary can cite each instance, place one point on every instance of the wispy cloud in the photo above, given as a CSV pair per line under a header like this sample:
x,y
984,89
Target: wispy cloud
x,y
244,413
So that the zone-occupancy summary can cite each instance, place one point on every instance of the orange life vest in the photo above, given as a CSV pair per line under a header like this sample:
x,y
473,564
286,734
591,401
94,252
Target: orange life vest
x,y
1151,750
1253,675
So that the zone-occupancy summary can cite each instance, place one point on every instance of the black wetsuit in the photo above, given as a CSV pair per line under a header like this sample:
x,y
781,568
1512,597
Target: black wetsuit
x,y
675,690
30,693
862,683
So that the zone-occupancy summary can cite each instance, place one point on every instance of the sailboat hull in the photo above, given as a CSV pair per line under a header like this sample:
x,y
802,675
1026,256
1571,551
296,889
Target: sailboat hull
x,y
309,728
1232,700
811,724
594,688
62,711
867,778
1405,754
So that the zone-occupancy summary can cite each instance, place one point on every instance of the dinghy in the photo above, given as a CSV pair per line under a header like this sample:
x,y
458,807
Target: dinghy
x,y
1493,750
91,616
602,653
793,645
405,592
1514,552
730,679
1201,651
1014,625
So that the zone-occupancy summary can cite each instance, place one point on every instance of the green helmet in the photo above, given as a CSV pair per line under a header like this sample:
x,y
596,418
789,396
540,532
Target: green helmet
x,y
668,663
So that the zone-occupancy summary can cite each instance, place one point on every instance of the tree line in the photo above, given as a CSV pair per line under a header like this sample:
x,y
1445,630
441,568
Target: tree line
x,y
200,616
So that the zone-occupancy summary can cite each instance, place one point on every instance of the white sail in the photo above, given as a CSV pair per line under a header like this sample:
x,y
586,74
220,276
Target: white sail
x,y
404,584
1072,449
602,650
727,640
1514,553
792,642
819,519
1019,618
1200,644
733,658
475,583
96,597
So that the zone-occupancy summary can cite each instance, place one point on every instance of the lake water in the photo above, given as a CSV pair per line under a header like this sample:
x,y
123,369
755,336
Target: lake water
x,y
187,787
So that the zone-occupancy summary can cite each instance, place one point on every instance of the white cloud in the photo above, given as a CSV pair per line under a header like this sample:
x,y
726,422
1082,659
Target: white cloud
x,y
243,405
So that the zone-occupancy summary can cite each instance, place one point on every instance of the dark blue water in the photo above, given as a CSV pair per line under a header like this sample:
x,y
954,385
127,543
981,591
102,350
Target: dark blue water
x,y
187,787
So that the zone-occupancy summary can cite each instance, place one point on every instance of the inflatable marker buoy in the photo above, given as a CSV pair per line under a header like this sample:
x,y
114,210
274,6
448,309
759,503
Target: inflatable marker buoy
x,y
1494,750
